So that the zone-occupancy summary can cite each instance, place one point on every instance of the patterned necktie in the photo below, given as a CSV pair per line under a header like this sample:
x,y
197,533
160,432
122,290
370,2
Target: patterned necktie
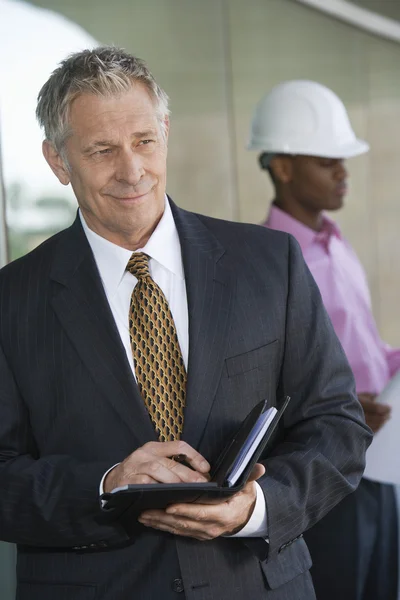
x,y
159,368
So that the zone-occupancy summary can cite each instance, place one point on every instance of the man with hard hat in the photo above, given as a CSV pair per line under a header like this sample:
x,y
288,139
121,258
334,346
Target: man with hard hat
x,y
303,135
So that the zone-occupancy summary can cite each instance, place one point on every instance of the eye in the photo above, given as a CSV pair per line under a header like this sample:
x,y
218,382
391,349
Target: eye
x,y
327,163
102,152
145,142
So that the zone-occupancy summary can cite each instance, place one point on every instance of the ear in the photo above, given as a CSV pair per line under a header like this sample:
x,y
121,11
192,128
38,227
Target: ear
x,y
282,168
56,162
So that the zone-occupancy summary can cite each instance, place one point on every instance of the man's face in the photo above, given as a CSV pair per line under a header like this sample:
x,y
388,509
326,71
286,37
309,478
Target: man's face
x,y
318,183
117,164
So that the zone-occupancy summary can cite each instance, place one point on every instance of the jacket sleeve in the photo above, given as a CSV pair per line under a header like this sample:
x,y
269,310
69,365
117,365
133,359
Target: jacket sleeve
x,y
51,501
321,455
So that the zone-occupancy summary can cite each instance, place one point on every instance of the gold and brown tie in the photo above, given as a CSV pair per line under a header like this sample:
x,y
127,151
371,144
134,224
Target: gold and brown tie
x,y
159,367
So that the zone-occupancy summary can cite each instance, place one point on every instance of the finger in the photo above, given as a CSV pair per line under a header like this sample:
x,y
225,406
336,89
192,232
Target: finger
x,y
248,488
141,479
257,472
367,396
169,449
180,525
208,510
376,424
374,408
221,500
368,404
186,474
159,469
378,418
205,513
370,414
161,516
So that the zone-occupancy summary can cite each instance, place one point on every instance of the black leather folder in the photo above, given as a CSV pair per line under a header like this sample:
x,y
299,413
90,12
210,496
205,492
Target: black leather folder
x,y
131,500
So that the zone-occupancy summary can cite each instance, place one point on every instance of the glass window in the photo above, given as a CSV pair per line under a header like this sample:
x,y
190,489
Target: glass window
x,y
37,205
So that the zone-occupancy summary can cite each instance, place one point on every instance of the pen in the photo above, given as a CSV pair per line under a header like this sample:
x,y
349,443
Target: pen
x,y
182,459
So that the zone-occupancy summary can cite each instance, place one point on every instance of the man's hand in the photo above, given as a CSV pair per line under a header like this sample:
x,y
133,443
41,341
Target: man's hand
x,y
376,414
153,463
211,520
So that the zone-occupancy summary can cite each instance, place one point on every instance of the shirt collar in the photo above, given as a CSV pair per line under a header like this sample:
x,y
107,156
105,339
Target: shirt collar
x,y
278,219
163,246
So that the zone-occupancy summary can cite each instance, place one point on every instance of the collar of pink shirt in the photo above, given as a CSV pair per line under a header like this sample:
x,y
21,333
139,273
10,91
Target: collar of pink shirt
x,y
278,219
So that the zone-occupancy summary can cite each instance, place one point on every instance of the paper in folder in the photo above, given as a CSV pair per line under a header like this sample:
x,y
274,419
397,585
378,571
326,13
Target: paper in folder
x,y
250,446
229,475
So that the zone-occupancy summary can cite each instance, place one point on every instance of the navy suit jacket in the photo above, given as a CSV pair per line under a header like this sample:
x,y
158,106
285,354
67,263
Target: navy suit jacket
x,y
70,409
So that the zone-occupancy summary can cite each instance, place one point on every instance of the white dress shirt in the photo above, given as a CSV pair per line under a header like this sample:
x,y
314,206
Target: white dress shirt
x,y
166,268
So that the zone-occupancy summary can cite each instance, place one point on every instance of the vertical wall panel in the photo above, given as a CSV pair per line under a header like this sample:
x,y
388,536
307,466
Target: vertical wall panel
x,y
384,134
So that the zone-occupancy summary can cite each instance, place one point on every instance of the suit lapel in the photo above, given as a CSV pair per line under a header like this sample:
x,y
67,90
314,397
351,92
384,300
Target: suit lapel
x,y
209,286
82,308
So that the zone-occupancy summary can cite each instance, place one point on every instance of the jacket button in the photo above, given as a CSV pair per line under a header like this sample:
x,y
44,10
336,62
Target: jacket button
x,y
177,585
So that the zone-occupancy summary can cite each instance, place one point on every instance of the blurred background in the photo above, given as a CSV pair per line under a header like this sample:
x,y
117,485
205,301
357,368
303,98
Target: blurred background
x,y
215,59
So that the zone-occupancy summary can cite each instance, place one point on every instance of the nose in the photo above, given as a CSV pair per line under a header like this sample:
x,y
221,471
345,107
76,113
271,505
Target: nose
x,y
129,168
341,172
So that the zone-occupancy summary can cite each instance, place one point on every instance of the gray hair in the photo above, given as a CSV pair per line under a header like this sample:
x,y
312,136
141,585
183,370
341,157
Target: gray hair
x,y
105,71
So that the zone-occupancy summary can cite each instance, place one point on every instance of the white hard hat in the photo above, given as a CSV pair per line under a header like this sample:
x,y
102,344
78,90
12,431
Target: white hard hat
x,y
304,117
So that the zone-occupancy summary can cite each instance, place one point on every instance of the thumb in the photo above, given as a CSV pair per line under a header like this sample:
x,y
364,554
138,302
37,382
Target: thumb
x,y
257,472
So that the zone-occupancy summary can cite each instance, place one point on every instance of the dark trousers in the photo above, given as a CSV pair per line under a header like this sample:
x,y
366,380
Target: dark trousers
x,y
355,546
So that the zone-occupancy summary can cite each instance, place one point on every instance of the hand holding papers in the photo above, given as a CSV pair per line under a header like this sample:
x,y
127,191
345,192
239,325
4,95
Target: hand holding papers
x,y
383,456
229,476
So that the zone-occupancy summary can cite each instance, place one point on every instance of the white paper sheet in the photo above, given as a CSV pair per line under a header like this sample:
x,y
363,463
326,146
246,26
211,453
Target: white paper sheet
x,y
383,455
255,436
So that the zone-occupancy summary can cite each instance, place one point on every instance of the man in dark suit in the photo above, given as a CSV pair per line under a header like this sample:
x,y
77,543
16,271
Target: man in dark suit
x,y
145,331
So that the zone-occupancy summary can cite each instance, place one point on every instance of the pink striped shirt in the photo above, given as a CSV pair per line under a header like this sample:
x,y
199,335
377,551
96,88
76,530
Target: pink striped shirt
x,y
344,289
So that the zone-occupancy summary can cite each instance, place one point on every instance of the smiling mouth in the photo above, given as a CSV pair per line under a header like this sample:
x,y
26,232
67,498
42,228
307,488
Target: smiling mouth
x,y
129,198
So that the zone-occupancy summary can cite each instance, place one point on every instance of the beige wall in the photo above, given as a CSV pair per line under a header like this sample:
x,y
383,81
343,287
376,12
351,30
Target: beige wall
x,y
216,58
